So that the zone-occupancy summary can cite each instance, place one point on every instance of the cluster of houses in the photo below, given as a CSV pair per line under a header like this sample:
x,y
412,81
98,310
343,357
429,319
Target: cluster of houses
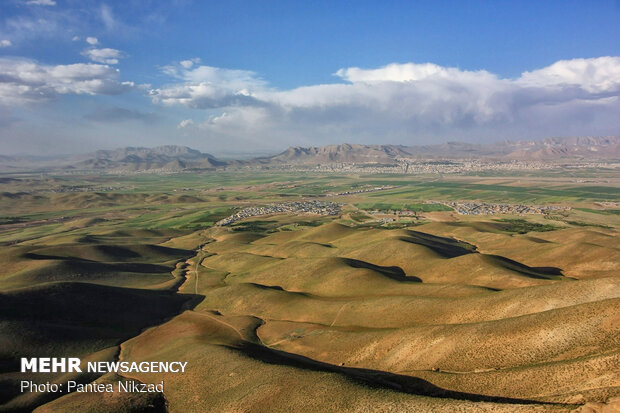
x,y
482,208
308,207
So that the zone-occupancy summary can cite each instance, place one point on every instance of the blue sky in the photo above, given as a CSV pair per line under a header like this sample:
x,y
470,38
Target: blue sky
x,y
257,76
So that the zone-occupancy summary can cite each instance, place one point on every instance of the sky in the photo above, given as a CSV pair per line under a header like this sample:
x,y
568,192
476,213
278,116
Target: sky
x,y
254,77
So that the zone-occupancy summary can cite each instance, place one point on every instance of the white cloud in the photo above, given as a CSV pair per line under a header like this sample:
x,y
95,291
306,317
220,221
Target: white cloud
x,y
187,64
24,81
229,78
91,40
398,101
5,43
105,55
39,23
595,75
209,87
75,38
185,123
408,72
41,2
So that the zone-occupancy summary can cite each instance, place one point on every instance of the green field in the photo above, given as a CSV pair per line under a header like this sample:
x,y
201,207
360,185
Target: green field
x,y
521,226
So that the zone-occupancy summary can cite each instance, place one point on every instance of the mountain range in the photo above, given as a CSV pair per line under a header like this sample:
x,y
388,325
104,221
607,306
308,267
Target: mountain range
x,y
551,149
166,158
171,158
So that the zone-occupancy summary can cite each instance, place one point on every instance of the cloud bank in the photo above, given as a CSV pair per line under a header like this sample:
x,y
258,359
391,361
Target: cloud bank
x,y
401,103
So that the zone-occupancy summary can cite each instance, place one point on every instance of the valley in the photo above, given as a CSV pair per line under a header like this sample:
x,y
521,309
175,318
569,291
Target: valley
x,y
364,306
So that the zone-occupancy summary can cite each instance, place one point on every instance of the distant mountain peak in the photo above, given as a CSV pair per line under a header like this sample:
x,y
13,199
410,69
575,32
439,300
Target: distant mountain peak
x,y
344,152
550,148
177,158
165,157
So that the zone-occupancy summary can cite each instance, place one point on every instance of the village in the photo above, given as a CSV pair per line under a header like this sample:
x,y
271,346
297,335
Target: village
x,y
330,208
483,208
305,207
479,208
417,167
430,166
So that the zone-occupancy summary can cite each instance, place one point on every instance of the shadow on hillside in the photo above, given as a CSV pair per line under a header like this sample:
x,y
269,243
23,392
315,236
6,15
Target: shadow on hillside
x,y
72,318
451,248
368,377
109,253
394,272
446,247
544,273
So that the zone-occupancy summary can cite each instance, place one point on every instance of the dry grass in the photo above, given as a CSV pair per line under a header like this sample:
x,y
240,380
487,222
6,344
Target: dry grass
x,y
282,328
448,316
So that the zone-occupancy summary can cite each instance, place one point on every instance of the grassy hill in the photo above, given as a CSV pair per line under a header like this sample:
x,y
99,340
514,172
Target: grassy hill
x,y
432,312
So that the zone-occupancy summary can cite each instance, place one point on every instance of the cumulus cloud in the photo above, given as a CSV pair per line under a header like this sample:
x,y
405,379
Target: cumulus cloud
x,y
208,87
91,40
24,81
409,72
5,43
104,55
41,2
229,78
187,64
597,75
400,101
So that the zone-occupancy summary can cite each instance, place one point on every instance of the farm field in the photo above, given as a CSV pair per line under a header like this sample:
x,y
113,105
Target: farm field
x,y
396,303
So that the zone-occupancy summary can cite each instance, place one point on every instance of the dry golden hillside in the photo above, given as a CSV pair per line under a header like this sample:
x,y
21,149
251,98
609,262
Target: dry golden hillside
x,y
338,318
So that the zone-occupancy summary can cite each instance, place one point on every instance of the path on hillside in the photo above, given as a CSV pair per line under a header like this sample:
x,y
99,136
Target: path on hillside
x,y
198,261
223,322
337,314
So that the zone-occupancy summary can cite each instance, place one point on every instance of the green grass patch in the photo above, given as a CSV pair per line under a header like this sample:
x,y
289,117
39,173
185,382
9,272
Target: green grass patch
x,y
359,217
497,193
586,224
521,226
379,206
309,223
385,206
11,220
600,211
254,226
428,207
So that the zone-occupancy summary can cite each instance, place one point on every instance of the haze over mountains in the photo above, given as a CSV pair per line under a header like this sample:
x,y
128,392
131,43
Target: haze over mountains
x,y
170,157
165,158
176,158
546,149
